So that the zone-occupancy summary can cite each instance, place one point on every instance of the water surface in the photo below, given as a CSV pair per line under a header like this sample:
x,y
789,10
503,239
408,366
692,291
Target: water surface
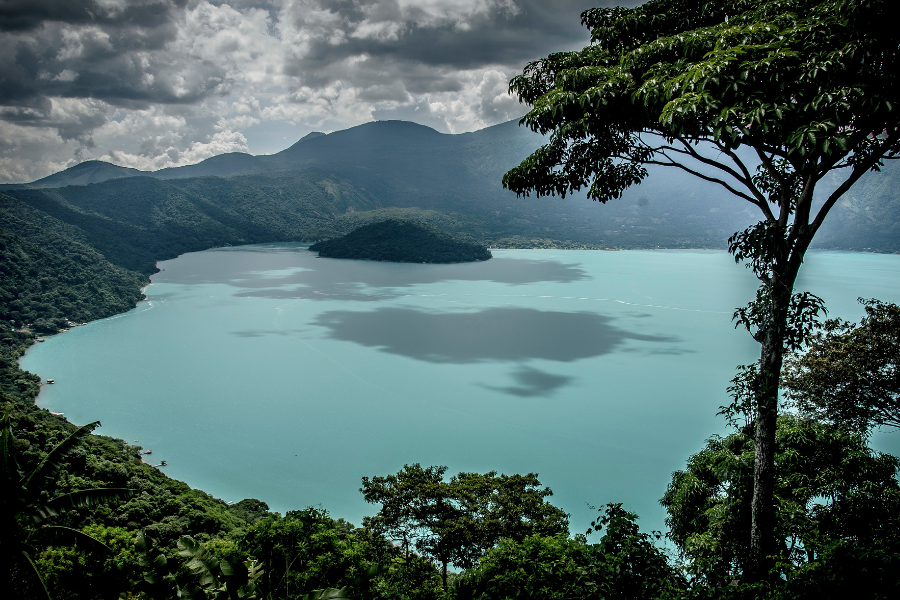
x,y
266,372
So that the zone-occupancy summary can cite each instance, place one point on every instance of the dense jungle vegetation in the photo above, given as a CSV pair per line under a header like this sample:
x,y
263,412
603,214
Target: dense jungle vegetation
x,y
401,240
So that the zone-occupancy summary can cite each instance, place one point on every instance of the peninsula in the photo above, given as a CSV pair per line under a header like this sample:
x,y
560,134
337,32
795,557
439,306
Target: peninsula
x,y
402,240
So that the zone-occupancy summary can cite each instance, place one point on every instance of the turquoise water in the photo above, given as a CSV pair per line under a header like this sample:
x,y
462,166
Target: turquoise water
x,y
266,372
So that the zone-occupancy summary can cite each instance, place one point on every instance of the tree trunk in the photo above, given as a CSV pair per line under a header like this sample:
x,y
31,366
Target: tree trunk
x,y
773,336
444,572
762,538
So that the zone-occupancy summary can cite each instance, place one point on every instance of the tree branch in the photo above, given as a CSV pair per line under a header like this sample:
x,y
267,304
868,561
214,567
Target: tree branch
x,y
724,184
859,170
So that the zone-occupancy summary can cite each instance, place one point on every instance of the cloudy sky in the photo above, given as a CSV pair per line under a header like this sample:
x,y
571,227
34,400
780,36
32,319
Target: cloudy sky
x,y
159,83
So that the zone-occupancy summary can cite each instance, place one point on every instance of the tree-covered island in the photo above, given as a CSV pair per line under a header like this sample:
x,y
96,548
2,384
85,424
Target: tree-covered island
x,y
402,240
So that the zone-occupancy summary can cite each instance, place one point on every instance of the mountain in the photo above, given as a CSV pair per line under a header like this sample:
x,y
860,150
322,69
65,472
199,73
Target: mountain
x,y
86,173
403,165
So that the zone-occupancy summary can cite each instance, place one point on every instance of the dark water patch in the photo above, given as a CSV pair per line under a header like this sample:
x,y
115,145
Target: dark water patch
x,y
492,334
533,382
254,333
670,351
339,279
300,274
336,293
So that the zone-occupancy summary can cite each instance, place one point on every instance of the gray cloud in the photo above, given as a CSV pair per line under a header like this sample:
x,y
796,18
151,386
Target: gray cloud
x,y
424,48
25,15
157,83
509,33
126,66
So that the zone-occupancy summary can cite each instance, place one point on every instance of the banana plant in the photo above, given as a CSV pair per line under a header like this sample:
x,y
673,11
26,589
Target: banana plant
x,y
328,594
218,577
158,579
360,582
24,506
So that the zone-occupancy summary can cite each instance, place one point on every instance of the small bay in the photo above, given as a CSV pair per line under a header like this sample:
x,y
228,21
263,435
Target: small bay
x,y
264,371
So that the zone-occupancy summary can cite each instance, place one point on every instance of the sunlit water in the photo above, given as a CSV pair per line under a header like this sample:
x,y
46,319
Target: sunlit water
x,y
266,372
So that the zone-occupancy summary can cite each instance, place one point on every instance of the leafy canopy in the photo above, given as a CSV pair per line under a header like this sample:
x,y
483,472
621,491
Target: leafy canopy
x,y
809,85
25,503
831,490
457,521
625,564
850,374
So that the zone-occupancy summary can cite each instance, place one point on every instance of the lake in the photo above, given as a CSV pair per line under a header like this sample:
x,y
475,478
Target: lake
x,y
266,372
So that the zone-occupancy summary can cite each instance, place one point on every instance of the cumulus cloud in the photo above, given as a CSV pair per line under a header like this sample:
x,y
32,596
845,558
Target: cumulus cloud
x,y
158,83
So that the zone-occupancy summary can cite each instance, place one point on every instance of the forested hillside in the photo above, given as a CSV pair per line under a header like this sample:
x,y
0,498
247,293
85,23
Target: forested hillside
x,y
400,164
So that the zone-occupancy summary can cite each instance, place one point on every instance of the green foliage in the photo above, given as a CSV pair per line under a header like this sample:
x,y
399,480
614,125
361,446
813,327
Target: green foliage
x,y
850,374
624,565
540,567
304,551
25,502
157,578
637,568
50,275
402,241
490,507
216,575
412,577
456,521
836,499
71,570
804,79
168,509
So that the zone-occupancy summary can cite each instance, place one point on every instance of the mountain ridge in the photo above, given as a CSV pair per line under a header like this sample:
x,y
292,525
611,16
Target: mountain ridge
x,y
402,165
234,163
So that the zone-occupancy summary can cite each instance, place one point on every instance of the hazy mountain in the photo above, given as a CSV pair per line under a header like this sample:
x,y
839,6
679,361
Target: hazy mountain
x,y
86,173
397,164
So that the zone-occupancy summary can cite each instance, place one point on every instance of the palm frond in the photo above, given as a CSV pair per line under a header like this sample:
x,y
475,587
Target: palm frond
x,y
54,459
9,468
328,594
200,563
38,574
79,500
78,535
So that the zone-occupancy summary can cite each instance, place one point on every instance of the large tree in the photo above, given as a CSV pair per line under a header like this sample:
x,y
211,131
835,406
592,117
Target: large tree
x,y
838,507
457,521
764,98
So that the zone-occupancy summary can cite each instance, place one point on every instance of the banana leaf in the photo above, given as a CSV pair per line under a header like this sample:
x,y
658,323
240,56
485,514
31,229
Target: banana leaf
x,y
54,459
80,499
328,594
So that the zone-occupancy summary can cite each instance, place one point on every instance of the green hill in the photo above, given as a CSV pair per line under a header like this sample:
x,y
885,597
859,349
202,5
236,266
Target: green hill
x,y
396,164
400,240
